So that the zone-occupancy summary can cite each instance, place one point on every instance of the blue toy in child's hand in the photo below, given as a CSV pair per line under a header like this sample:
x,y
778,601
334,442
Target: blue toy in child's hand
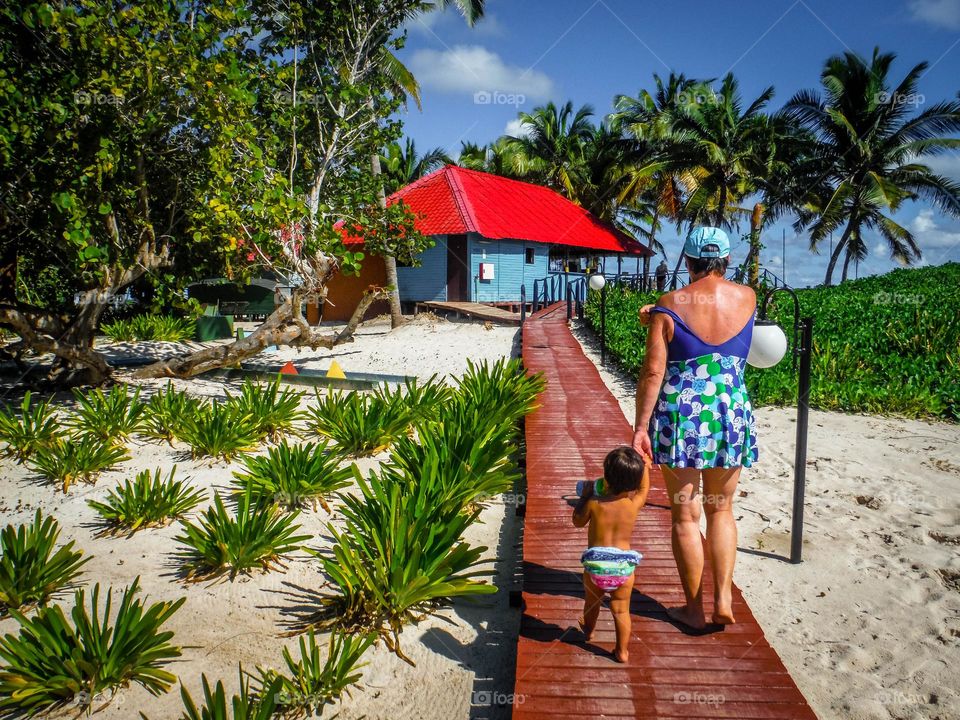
x,y
598,486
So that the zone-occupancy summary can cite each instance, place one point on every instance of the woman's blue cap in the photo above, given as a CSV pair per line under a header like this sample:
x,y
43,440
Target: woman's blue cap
x,y
707,242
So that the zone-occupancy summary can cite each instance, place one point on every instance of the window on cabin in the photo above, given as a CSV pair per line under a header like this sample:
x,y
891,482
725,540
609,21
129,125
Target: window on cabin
x,y
531,256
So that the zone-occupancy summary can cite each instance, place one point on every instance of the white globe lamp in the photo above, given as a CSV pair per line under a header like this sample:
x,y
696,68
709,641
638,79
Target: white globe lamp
x,y
768,346
597,282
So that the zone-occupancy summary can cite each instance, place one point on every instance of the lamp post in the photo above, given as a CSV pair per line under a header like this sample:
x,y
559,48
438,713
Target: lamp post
x,y
599,282
768,347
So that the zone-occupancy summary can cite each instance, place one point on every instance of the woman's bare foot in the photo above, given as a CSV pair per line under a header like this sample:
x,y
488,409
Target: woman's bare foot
x,y
723,617
587,632
621,656
688,617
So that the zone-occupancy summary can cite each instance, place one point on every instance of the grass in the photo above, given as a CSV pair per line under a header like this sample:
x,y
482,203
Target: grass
x,y
148,501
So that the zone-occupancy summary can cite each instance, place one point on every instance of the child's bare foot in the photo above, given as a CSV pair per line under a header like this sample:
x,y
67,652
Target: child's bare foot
x,y
587,631
621,656
688,617
723,609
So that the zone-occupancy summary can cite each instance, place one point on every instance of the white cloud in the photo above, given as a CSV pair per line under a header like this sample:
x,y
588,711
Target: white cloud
x,y
516,128
943,13
930,235
946,165
472,68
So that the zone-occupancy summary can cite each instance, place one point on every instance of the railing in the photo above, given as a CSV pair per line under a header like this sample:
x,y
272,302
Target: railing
x,y
572,287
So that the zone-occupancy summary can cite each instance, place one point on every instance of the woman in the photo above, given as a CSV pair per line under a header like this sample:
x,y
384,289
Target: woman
x,y
694,417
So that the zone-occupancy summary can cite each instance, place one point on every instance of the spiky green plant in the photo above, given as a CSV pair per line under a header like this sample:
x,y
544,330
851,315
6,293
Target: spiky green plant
x,y
110,417
32,567
53,661
359,423
147,501
274,409
119,330
417,400
217,431
76,459
247,705
293,476
165,413
398,558
502,388
34,427
257,536
318,677
463,457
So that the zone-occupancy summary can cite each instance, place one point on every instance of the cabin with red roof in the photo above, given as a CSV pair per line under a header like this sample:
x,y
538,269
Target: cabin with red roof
x,y
493,235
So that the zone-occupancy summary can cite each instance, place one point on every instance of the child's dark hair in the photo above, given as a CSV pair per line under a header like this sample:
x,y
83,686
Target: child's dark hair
x,y
623,469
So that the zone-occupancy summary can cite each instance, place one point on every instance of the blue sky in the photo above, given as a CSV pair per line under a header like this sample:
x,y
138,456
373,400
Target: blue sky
x,y
524,53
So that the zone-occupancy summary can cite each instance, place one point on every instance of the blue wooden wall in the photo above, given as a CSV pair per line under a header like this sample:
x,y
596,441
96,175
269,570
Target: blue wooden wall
x,y
510,268
429,281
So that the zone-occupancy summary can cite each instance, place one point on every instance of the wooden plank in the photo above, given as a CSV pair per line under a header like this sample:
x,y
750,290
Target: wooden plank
x,y
475,310
730,672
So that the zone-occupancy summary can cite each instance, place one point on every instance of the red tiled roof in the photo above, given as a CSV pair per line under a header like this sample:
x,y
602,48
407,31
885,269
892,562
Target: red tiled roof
x,y
456,200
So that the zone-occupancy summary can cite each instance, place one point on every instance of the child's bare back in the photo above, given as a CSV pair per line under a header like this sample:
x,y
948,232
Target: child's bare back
x,y
609,562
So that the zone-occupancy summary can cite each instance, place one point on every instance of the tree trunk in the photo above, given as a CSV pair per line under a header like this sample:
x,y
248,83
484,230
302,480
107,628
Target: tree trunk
x,y
285,326
676,269
753,258
846,265
393,287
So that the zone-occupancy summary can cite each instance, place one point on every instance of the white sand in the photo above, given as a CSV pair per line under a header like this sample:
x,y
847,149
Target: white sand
x,y
464,654
869,623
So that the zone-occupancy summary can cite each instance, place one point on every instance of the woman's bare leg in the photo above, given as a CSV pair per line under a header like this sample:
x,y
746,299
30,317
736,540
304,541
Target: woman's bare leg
x,y
719,485
620,608
592,600
683,485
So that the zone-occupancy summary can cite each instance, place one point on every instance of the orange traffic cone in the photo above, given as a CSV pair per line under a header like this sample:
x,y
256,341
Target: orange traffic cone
x,y
289,369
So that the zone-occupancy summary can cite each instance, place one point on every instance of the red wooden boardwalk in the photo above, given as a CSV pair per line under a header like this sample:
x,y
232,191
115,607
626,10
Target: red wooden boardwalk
x,y
671,674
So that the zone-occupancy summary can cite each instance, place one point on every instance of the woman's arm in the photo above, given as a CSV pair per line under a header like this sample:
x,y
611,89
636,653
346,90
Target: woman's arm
x,y
650,381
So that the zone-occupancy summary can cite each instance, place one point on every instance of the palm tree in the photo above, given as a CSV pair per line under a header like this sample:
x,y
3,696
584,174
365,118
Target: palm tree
x,y
552,148
401,165
405,84
866,151
649,117
498,157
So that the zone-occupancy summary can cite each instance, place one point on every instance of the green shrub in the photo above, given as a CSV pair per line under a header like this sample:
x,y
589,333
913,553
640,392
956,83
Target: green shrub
x,y
257,536
886,344
33,428
76,459
463,457
53,661
359,423
109,417
398,557
417,401
293,476
148,500
150,327
215,430
274,410
502,391
317,678
165,412
32,567
247,705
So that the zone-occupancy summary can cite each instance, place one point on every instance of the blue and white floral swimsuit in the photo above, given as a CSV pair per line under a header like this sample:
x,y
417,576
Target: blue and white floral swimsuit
x,y
703,418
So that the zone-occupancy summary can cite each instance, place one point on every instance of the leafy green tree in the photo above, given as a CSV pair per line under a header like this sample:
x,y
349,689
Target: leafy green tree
x,y
868,143
402,165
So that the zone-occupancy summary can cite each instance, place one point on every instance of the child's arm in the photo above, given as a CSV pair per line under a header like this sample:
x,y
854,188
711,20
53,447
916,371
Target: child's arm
x,y
581,513
641,496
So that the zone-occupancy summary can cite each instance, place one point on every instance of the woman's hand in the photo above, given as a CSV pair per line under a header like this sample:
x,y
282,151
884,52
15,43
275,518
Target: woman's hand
x,y
645,315
641,443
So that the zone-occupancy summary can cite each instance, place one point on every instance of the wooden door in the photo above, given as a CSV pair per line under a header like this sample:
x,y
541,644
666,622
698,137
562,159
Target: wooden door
x,y
458,269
